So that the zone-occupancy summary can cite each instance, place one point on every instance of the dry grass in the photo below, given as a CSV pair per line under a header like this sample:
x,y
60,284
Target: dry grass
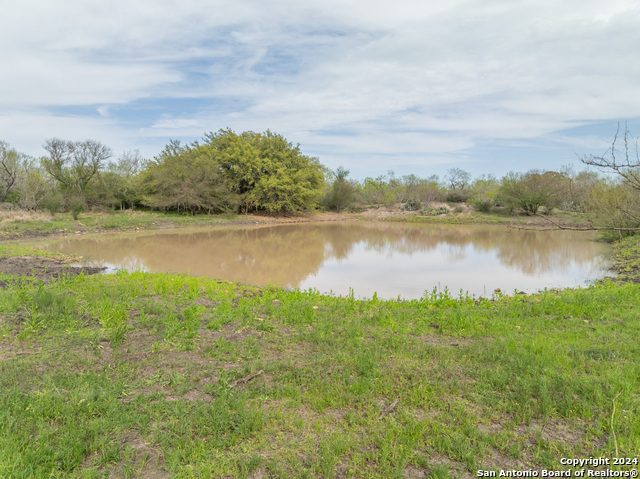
x,y
21,216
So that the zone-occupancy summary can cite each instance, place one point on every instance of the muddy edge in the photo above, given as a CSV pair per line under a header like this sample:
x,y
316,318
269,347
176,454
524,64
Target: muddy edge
x,y
50,268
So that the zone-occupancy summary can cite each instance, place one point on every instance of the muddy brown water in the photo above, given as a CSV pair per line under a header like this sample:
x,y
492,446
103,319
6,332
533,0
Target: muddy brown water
x,y
369,257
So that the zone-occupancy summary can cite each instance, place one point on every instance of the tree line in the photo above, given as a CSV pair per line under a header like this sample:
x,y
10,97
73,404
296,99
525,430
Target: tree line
x,y
249,172
223,172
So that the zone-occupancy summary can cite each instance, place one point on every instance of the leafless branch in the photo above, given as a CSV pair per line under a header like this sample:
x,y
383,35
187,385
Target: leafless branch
x,y
390,408
9,165
558,226
628,168
246,379
73,164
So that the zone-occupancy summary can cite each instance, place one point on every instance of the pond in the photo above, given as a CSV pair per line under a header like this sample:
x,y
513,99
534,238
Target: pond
x,y
389,259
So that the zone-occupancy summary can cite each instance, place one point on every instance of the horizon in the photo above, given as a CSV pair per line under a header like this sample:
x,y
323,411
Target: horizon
x,y
418,89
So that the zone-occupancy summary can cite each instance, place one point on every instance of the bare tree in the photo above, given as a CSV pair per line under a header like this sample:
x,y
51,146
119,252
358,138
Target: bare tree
x,y
35,185
627,166
457,185
129,164
457,179
616,205
9,169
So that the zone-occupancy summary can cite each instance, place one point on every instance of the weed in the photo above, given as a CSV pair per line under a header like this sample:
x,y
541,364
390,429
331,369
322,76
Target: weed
x,y
130,375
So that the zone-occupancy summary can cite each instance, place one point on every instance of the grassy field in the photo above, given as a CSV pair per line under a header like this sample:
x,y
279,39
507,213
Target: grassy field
x,y
155,375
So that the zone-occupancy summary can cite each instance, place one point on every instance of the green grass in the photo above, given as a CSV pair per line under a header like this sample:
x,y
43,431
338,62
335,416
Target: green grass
x,y
626,256
7,250
136,375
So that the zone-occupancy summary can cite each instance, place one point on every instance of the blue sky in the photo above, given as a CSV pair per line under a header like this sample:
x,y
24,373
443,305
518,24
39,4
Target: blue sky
x,y
411,86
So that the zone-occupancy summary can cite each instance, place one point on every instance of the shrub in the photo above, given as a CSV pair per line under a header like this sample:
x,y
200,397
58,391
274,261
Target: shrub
x,y
457,196
342,192
432,211
76,206
483,205
573,207
615,205
532,190
52,202
412,204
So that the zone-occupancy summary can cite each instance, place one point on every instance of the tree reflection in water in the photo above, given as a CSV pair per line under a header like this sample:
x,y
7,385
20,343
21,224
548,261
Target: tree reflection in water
x,y
385,254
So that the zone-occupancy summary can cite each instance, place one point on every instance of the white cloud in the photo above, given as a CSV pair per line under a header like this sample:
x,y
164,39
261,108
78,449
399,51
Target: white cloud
x,y
426,80
174,123
29,130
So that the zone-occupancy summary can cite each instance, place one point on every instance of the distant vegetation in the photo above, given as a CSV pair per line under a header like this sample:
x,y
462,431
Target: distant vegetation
x,y
253,172
140,374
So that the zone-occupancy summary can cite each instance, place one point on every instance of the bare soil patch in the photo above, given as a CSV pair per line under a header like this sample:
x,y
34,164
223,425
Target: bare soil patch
x,y
42,268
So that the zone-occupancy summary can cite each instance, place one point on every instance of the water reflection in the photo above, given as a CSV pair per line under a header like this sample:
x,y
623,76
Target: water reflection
x,y
391,259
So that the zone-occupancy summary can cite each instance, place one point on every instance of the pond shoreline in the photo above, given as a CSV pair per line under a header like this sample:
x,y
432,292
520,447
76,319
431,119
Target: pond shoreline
x,y
624,265
168,375
27,225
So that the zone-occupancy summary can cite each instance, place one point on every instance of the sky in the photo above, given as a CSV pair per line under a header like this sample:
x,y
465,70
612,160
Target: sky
x,y
489,86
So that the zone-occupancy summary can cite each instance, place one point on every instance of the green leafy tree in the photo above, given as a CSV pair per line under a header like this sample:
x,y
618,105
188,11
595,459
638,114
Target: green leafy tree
x,y
117,186
187,178
266,171
484,191
534,189
76,205
74,164
342,192
376,191
53,201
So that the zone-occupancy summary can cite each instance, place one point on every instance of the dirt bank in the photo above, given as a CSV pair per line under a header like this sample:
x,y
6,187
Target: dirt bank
x,y
48,268
27,225
41,268
462,213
